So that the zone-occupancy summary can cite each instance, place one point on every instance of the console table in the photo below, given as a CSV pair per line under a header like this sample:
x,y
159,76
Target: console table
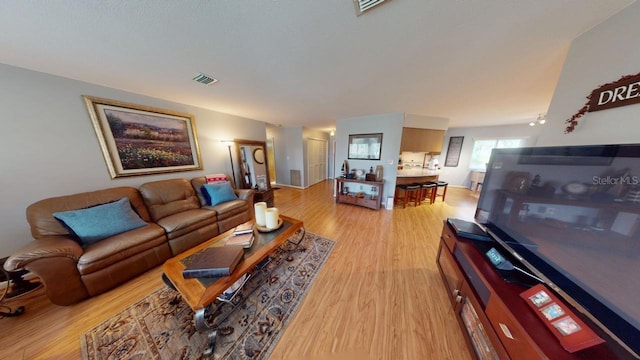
x,y
371,192
496,322
264,195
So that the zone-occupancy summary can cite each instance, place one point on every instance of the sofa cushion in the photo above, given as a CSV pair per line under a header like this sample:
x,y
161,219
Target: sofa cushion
x,y
230,208
168,197
215,178
218,193
99,222
186,222
120,247
40,214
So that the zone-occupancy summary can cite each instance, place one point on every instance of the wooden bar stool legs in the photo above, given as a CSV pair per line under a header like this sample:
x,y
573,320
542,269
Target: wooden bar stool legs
x,y
417,193
440,184
428,191
407,193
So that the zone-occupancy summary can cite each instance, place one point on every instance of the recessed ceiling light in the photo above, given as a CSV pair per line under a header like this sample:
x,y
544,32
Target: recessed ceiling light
x,y
205,79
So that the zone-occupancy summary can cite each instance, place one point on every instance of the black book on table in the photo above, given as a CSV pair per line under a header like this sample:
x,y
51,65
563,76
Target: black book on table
x,y
213,262
468,229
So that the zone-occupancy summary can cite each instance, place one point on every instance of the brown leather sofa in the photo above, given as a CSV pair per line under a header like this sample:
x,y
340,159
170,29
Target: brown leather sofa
x,y
176,221
179,207
230,213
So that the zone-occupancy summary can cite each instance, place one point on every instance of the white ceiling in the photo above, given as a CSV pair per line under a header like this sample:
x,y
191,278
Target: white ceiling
x,y
303,62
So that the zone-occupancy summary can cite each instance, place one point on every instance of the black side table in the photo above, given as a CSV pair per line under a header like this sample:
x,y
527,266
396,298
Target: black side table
x,y
264,195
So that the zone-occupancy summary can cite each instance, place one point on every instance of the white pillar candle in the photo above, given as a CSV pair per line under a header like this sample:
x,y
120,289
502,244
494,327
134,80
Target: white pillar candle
x,y
260,208
272,218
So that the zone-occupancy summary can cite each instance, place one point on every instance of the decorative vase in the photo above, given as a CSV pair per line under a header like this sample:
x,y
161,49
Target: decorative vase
x,y
379,172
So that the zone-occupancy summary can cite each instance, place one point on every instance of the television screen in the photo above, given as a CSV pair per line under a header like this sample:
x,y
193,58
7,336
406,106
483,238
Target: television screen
x,y
572,214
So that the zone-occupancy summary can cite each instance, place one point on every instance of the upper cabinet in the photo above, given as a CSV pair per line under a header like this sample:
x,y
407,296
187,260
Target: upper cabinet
x,y
422,140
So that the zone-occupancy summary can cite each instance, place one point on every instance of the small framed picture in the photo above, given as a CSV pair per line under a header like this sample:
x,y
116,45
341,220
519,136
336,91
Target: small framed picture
x,y
552,311
261,182
566,326
540,298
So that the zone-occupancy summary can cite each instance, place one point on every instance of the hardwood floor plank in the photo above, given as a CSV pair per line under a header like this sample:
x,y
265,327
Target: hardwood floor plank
x,y
379,296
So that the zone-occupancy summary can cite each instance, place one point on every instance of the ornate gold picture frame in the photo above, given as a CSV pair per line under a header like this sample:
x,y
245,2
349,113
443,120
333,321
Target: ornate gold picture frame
x,y
141,140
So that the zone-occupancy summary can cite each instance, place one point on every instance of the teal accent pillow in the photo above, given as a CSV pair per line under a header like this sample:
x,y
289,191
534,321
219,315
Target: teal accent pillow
x,y
99,222
215,194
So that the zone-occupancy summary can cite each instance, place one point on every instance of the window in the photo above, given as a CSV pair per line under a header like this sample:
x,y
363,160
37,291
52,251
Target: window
x,y
482,150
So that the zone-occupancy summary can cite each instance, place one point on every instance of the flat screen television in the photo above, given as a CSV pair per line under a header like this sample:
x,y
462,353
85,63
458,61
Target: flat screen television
x,y
571,215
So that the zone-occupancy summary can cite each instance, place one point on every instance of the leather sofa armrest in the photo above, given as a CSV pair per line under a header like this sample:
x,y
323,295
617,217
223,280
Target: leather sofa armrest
x,y
245,194
54,259
43,248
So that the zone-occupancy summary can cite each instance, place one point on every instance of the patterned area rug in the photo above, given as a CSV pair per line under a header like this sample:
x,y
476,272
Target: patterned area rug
x,y
161,326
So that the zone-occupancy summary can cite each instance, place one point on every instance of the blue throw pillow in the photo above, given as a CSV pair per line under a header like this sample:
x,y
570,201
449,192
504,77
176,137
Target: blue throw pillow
x,y
93,224
215,194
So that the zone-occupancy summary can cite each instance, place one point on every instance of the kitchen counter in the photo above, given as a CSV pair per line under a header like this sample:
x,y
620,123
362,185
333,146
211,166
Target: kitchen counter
x,y
416,175
413,172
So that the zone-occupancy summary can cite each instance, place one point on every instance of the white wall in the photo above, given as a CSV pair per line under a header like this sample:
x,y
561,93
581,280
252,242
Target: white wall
x,y
460,175
48,146
599,56
288,152
390,125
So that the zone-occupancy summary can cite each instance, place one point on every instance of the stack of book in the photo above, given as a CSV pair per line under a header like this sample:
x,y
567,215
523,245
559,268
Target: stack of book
x,y
213,262
242,236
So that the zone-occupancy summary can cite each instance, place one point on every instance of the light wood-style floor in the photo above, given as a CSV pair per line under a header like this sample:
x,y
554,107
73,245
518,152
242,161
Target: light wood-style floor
x,y
379,296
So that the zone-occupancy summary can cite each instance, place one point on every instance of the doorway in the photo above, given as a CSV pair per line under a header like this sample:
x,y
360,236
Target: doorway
x,y
271,160
317,160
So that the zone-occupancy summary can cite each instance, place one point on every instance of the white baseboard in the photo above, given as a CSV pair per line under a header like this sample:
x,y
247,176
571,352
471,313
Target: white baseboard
x,y
289,186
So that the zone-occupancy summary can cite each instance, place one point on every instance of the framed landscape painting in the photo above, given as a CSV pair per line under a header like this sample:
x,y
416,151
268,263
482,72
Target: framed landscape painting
x,y
140,140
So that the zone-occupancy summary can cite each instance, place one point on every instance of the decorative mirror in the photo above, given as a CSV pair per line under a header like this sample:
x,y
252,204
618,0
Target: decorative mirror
x,y
254,170
258,155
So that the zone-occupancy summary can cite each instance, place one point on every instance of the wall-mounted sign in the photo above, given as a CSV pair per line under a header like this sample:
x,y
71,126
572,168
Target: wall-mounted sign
x,y
453,151
625,91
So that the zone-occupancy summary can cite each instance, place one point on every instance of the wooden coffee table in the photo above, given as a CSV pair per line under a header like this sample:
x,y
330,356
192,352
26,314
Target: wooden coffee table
x,y
201,293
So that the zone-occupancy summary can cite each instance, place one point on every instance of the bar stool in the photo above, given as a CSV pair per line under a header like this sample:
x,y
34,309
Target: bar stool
x,y
440,184
410,192
428,190
419,198
434,190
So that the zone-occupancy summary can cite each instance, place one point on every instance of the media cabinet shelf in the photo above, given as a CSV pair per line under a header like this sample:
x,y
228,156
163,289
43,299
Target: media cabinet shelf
x,y
350,198
506,322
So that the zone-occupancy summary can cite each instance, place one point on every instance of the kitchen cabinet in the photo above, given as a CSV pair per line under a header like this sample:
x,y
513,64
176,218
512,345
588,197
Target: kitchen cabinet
x,y
422,140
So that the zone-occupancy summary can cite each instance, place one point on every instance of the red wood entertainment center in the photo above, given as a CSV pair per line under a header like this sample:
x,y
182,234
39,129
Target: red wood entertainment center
x,y
496,321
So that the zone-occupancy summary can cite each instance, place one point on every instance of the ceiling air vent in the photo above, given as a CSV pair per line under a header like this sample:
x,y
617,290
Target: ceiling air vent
x,y
364,5
205,79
